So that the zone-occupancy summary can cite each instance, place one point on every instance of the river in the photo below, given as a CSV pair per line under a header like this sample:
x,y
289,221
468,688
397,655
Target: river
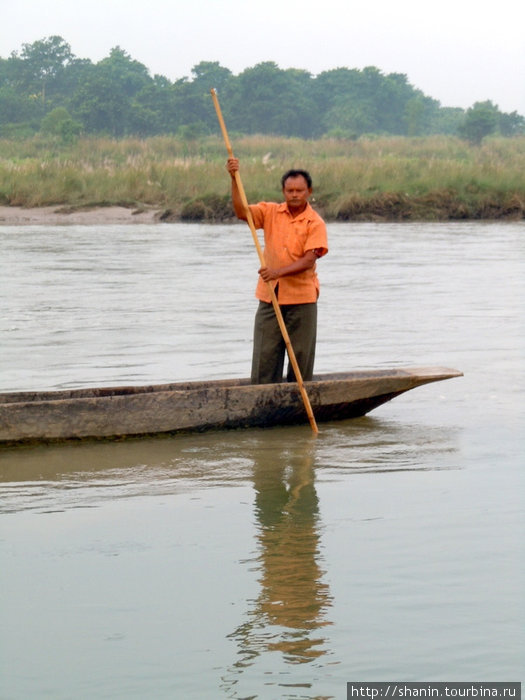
x,y
265,563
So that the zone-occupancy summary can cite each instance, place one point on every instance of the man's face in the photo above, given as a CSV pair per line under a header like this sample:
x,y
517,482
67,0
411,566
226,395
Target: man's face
x,y
296,192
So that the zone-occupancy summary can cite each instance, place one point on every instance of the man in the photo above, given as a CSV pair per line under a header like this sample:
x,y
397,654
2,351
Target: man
x,y
295,237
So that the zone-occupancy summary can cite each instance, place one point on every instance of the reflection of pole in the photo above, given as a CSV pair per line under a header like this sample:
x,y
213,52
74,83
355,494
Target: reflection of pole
x,y
277,308
293,598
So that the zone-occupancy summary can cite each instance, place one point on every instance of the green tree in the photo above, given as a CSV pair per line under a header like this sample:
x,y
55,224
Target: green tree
x,y
351,118
446,120
41,65
105,101
269,100
415,116
102,105
210,74
192,103
118,96
58,122
121,69
17,108
74,75
158,100
420,111
366,100
480,121
332,83
394,94
20,112
511,124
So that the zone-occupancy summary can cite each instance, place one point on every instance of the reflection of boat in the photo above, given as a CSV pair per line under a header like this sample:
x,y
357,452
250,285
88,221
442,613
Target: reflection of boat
x,y
111,412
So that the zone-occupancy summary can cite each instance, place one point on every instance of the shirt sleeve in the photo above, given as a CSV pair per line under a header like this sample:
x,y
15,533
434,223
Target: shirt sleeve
x,y
317,238
258,213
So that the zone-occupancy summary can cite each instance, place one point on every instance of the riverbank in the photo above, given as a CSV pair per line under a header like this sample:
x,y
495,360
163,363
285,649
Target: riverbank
x,y
55,216
388,208
165,179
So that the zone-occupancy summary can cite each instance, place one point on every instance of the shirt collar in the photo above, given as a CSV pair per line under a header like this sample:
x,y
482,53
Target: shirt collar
x,y
306,214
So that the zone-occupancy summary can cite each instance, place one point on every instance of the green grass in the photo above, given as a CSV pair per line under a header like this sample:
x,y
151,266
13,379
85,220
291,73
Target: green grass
x,y
391,178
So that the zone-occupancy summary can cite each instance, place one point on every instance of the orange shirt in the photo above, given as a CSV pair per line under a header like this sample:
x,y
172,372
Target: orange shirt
x,y
287,239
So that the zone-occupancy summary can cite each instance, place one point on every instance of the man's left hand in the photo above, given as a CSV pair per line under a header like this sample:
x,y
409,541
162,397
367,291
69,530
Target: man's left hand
x,y
268,274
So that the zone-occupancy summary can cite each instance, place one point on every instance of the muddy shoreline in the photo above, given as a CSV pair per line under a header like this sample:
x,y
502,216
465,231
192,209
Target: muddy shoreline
x,y
57,215
392,209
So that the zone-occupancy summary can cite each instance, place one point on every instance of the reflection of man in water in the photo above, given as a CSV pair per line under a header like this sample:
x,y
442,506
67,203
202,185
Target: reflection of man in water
x,y
293,599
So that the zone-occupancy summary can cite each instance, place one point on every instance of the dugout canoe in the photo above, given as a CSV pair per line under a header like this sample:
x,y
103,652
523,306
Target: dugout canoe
x,y
117,412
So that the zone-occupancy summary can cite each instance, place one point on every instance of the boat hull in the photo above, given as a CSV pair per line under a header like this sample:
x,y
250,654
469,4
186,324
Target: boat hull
x,y
117,412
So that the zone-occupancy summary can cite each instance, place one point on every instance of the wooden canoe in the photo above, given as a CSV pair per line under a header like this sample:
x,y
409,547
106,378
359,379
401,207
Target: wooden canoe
x,y
116,412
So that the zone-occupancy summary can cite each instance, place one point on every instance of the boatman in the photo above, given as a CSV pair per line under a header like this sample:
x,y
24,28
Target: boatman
x,y
294,238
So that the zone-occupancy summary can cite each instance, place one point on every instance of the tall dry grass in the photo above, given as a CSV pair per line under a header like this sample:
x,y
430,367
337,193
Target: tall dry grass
x,y
415,177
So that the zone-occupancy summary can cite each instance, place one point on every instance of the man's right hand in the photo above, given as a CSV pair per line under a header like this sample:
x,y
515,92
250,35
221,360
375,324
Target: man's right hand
x,y
232,166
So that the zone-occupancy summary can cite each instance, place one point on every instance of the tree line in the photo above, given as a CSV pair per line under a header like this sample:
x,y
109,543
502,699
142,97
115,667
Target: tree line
x,y
46,88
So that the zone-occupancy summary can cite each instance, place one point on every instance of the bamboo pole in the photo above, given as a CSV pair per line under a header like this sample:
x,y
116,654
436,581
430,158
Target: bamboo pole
x,y
275,303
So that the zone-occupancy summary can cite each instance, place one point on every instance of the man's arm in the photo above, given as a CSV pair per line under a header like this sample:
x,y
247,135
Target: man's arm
x,y
232,166
305,263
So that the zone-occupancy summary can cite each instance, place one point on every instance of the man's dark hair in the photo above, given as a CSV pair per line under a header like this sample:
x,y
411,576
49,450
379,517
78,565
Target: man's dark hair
x,y
297,173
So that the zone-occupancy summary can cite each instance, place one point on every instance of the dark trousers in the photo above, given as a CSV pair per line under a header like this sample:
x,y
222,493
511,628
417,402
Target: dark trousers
x,y
269,347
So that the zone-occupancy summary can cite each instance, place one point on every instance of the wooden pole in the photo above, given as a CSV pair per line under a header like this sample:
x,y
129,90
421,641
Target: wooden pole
x,y
260,253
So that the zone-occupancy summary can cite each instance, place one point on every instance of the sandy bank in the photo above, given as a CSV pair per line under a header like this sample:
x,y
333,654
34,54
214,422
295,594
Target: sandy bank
x,y
54,216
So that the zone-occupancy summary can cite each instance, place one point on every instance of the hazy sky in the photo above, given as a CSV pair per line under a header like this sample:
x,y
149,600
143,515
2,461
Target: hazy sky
x,y
456,51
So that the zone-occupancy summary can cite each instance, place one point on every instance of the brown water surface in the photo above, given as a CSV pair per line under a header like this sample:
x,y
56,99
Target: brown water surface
x,y
264,563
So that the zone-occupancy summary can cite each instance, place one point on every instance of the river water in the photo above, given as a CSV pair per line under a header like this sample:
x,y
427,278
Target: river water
x,y
264,563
